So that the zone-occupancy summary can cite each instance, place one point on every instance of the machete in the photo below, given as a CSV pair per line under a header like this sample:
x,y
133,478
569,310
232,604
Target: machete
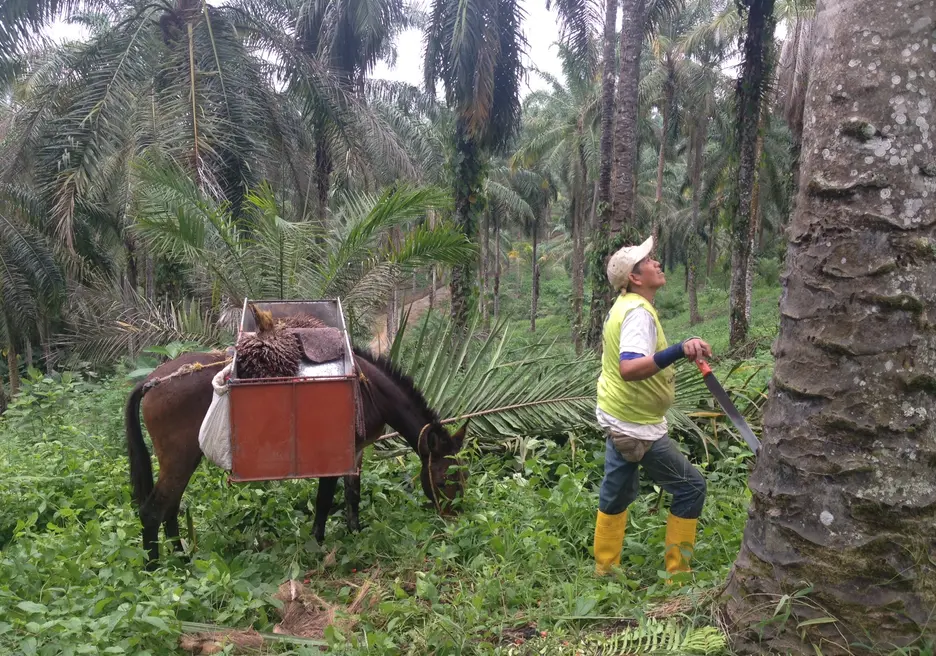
x,y
722,397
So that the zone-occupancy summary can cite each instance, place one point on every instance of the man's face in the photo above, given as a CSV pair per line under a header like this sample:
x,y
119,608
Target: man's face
x,y
648,274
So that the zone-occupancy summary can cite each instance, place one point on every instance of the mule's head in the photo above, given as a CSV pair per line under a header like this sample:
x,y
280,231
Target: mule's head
x,y
442,477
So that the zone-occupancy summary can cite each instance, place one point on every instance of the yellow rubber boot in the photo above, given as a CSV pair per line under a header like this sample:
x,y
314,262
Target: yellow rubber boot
x,y
609,540
680,542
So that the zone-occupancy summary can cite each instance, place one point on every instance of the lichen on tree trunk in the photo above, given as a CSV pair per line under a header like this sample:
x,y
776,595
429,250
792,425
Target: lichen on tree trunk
x,y
844,491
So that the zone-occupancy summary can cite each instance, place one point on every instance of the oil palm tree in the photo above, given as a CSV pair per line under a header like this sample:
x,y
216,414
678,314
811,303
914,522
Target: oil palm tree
x,y
619,137
266,251
561,129
474,47
840,532
31,280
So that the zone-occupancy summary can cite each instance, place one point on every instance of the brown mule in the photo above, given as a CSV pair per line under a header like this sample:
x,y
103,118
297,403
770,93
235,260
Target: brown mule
x,y
174,409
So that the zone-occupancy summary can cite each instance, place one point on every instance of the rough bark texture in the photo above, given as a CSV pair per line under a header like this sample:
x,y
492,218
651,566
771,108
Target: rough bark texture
x,y
601,296
751,87
625,121
844,491
578,250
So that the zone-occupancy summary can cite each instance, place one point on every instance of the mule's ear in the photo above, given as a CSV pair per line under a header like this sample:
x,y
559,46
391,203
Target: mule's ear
x,y
458,439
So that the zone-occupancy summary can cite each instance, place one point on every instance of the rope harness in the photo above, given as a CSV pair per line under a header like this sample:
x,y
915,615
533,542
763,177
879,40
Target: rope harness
x,y
184,370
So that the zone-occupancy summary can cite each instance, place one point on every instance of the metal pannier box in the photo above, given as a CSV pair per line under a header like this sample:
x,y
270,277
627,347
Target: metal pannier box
x,y
300,427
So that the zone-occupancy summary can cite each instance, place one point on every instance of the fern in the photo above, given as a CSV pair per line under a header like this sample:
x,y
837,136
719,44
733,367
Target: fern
x,y
657,637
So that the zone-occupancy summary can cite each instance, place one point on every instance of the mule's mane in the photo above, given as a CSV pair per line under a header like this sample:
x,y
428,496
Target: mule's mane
x,y
404,382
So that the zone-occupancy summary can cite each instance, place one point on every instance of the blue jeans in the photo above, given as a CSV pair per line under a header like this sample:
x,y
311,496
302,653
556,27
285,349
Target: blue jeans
x,y
666,466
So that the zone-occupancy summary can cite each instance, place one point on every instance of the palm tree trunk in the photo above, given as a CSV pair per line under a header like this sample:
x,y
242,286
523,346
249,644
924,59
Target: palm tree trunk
x,y
534,300
483,269
13,366
843,491
601,232
756,223
394,303
497,267
754,75
323,170
698,150
430,218
132,276
625,122
578,249
713,226
150,264
668,93
46,347
608,80
467,203
593,212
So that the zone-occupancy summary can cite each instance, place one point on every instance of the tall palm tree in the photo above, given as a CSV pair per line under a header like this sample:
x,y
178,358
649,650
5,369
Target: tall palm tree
x,y
475,48
841,526
348,37
560,136
31,281
620,133
751,95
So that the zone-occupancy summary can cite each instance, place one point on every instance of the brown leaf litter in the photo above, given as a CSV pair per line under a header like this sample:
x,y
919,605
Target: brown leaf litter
x,y
304,614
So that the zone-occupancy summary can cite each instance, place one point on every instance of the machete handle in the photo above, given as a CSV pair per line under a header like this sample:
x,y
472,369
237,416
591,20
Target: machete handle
x,y
703,367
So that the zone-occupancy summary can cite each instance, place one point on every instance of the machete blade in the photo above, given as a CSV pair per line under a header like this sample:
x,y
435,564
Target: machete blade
x,y
730,410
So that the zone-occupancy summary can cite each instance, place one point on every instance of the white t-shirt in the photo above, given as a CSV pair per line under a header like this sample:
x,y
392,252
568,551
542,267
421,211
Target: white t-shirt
x,y
638,335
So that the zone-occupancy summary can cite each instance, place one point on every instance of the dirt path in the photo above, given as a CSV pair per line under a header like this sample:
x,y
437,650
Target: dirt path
x,y
417,308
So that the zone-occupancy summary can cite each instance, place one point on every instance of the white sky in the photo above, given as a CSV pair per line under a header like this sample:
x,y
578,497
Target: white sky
x,y
541,31
540,28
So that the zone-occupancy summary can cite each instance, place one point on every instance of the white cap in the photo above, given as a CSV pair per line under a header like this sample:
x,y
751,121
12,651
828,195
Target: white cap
x,y
623,262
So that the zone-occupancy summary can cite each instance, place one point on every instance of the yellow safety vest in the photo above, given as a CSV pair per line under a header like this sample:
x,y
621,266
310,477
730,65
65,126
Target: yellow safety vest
x,y
638,402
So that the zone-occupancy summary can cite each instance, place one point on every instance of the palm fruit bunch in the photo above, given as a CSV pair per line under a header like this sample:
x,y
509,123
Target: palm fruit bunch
x,y
273,351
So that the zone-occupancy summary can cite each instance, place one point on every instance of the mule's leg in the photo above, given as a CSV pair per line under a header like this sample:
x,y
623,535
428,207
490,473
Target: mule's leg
x,y
172,529
352,484
171,521
151,518
162,506
323,503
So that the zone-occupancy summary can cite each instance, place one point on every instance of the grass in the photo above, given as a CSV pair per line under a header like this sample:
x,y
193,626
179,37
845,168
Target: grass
x,y
511,574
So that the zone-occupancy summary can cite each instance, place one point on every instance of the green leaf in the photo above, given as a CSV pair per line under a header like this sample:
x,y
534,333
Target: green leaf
x,y
32,607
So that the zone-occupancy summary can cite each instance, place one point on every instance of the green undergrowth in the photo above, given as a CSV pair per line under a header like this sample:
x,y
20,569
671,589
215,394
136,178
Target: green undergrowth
x,y
510,574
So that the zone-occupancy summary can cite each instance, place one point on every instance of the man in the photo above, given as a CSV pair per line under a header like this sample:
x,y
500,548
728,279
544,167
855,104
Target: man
x,y
635,389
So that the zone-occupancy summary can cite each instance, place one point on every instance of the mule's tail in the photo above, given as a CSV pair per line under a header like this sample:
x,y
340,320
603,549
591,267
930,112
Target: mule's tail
x,y
141,468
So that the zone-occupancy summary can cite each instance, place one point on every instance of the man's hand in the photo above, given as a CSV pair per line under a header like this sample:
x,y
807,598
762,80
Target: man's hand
x,y
696,349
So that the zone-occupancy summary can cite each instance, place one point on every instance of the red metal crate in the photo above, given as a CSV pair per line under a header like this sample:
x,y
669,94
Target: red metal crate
x,y
295,427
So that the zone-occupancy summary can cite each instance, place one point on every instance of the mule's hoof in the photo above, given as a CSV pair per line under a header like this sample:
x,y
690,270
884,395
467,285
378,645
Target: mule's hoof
x,y
355,527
